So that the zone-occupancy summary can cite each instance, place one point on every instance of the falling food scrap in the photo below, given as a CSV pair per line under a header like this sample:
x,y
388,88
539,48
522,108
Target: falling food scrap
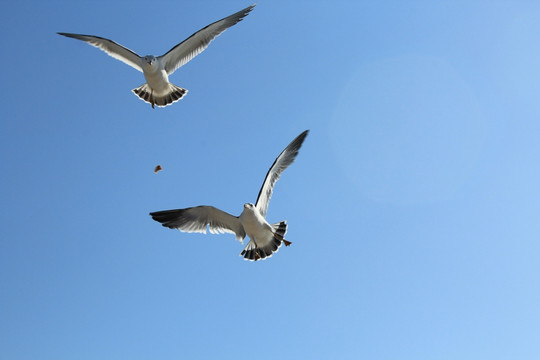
x,y
157,169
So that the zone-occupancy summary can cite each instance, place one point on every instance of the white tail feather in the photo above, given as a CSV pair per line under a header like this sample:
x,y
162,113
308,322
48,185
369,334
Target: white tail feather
x,y
146,94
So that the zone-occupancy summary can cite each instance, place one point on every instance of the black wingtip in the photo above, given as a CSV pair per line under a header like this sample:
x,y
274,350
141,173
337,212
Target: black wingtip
x,y
299,140
70,35
243,13
165,217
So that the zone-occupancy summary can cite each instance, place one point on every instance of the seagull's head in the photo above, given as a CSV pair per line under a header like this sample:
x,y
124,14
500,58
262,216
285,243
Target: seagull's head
x,y
150,60
249,206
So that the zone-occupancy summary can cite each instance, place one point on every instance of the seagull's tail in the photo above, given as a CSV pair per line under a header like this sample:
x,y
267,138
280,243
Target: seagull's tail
x,y
174,94
254,252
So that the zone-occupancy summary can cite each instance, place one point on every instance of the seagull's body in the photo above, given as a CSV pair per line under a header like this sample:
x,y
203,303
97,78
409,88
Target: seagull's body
x,y
158,90
265,238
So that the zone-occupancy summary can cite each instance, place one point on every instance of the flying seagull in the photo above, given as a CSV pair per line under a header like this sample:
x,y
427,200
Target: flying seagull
x,y
158,90
265,239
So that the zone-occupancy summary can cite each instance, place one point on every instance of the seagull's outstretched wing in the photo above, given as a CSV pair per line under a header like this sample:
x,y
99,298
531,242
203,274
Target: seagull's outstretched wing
x,y
283,161
196,43
196,219
115,50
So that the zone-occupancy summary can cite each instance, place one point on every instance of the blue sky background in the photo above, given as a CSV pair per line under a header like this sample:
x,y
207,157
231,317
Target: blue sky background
x,y
413,206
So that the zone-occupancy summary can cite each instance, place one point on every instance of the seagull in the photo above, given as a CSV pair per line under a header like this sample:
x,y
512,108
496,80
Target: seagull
x,y
158,90
265,238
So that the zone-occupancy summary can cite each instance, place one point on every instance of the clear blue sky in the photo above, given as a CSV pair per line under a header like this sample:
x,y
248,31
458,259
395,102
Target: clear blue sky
x,y
413,206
